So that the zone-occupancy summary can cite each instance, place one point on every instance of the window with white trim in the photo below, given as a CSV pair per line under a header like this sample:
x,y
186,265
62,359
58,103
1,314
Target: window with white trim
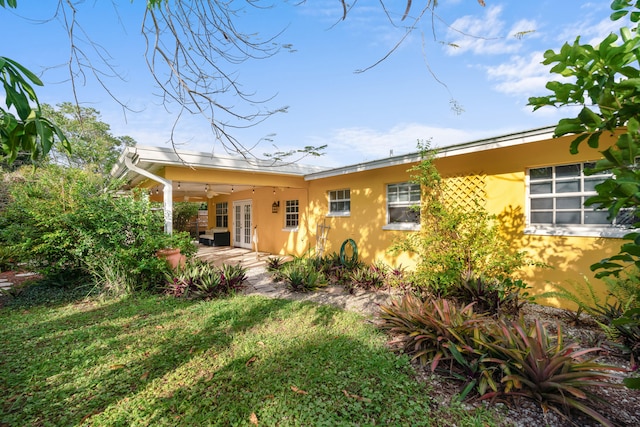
x,y
403,203
340,202
291,213
557,195
222,214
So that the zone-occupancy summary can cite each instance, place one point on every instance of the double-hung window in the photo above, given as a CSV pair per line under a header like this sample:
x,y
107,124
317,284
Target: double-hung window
x,y
291,213
222,215
340,202
556,196
403,205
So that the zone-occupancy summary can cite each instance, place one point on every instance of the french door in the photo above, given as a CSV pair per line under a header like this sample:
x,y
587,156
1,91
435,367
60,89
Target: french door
x,y
242,224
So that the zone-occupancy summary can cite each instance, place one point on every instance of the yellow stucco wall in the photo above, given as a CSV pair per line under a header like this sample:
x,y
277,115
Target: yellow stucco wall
x,y
568,257
273,237
503,172
368,213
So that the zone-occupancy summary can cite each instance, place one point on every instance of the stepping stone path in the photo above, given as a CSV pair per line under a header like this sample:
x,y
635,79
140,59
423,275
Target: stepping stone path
x,y
6,284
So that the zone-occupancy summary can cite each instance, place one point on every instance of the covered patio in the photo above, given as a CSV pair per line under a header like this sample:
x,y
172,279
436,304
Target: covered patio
x,y
218,255
170,176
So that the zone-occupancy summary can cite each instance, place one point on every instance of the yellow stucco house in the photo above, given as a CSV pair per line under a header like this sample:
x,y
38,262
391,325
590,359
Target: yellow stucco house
x,y
528,179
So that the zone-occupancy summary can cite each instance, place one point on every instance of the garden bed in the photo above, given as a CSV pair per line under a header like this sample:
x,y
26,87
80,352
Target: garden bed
x,y
624,408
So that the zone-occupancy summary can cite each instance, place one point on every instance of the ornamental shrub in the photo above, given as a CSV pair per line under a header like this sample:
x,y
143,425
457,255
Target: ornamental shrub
x,y
454,243
64,219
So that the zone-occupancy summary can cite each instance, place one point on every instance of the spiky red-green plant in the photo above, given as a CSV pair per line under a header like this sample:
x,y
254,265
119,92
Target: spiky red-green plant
x,y
544,369
426,329
367,278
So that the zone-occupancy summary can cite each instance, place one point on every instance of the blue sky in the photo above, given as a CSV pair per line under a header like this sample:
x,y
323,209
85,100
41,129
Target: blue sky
x,y
359,116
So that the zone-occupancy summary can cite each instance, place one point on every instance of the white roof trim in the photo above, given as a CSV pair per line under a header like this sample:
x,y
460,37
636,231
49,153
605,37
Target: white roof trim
x,y
147,157
508,140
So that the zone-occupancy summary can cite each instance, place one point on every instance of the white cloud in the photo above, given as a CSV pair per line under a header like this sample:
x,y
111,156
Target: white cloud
x,y
348,146
486,34
525,75
589,32
521,75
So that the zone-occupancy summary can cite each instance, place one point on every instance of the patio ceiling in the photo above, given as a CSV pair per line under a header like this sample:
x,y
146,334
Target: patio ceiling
x,y
198,191
155,161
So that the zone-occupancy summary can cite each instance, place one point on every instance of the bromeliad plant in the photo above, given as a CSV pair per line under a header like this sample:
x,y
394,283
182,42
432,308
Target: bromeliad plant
x,y
492,296
428,330
498,358
302,277
368,278
199,279
232,277
541,368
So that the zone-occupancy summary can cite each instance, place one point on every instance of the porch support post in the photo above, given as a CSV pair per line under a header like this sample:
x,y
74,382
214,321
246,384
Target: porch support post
x,y
167,192
168,206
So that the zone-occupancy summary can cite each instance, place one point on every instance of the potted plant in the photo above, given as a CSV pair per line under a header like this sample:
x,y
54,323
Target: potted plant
x,y
175,248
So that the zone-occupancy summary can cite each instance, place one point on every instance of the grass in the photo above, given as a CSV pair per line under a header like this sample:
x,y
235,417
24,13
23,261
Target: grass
x,y
155,360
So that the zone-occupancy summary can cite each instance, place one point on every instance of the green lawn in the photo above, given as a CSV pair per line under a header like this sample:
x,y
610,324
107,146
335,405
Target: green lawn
x,y
153,360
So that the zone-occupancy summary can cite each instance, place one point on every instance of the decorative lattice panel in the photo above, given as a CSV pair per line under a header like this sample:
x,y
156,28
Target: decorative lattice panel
x,y
462,192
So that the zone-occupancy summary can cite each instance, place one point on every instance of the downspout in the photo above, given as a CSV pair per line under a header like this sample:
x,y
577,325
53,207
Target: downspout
x,y
167,192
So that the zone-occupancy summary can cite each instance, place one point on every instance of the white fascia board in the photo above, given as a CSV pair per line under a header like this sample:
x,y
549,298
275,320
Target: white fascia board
x,y
149,157
509,140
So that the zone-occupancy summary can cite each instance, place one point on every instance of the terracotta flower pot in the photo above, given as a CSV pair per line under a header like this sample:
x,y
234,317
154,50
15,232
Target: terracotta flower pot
x,y
172,256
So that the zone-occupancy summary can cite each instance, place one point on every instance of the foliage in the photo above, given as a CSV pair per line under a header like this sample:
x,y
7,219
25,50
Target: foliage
x,y
7,258
67,219
183,213
51,292
619,319
427,330
603,80
301,278
274,267
153,360
495,358
545,370
200,279
334,270
398,277
625,287
30,131
454,242
275,263
492,296
627,327
232,277
368,278
474,368
302,275
92,146
583,295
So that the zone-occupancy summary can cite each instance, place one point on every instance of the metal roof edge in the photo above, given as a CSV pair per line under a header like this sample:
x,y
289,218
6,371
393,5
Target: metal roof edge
x,y
170,157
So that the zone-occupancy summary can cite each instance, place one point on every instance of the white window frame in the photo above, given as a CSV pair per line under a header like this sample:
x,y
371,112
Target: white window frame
x,y
554,229
224,215
290,213
340,197
412,189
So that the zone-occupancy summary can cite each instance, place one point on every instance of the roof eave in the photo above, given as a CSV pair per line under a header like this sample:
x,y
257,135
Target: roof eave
x,y
502,141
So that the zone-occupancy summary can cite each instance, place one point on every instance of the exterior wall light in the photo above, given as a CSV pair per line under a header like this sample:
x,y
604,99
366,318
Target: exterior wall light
x,y
275,207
